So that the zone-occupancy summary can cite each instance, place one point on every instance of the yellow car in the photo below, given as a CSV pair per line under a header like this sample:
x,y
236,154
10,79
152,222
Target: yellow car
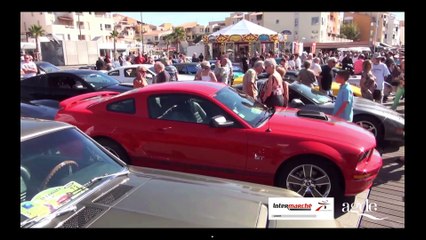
x,y
334,86
238,80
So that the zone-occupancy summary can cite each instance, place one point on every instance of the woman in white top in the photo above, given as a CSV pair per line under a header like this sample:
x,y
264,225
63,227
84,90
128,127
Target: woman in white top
x,y
205,74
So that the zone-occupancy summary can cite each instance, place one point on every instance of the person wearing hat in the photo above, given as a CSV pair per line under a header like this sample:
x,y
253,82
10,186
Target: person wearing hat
x,y
380,71
205,73
343,107
140,80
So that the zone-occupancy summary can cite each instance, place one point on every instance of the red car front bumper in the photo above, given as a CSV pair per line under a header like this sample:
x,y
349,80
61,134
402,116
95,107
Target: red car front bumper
x,y
365,173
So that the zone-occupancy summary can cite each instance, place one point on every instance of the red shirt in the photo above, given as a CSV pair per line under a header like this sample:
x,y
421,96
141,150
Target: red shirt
x,y
358,66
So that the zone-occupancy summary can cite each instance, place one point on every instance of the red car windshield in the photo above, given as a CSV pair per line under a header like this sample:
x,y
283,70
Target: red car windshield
x,y
248,109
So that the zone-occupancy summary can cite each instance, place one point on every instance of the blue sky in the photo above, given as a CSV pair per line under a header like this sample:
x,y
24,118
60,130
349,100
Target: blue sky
x,y
177,18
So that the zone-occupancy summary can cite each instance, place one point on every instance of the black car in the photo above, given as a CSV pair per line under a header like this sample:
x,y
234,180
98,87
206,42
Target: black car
x,y
65,84
42,109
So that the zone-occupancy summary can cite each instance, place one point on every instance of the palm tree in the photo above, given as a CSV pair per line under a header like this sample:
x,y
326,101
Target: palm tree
x,y
168,39
114,34
178,35
36,31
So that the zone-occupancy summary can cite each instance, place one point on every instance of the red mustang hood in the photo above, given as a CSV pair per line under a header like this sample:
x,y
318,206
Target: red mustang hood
x,y
334,129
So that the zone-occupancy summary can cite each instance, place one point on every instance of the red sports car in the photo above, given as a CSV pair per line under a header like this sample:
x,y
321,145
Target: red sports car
x,y
212,129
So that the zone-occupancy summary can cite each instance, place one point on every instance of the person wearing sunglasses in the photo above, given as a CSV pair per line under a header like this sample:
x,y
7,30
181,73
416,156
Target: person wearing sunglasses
x,y
140,80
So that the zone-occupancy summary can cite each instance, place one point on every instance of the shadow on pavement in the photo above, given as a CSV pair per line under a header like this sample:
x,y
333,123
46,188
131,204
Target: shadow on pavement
x,y
392,170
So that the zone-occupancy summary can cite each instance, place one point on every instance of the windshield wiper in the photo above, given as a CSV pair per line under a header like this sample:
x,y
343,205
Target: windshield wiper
x,y
95,179
270,110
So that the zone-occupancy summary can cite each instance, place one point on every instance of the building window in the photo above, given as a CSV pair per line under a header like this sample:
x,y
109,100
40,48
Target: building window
x,y
201,30
386,36
69,37
207,30
81,37
396,29
373,19
296,22
277,21
156,38
101,26
41,13
393,36
314,20
107,27
322,20
259,17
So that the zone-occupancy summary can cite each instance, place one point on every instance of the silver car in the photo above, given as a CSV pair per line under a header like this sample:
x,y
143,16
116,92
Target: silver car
x,y
70,181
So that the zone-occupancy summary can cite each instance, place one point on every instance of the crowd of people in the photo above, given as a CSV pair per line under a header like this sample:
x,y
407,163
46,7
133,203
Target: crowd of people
x,y
375,71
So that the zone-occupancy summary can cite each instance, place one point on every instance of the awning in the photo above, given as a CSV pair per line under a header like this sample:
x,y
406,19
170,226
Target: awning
x,y
65,18
96,38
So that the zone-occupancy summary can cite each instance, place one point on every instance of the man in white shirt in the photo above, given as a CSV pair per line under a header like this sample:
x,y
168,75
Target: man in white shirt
x,y
380,71
316,67
28,68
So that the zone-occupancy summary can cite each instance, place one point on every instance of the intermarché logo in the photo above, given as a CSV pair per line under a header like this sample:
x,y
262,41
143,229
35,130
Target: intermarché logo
x,y
358,208
294,207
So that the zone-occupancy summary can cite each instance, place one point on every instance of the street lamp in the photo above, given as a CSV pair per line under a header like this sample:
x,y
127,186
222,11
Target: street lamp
x,y
142,33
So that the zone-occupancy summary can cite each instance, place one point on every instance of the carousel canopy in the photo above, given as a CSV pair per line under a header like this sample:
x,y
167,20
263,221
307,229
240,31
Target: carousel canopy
x,y
244,27
243,31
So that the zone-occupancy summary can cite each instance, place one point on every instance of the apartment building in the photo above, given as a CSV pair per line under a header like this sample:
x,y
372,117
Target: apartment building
x,y
156,37
193,30
214,26
234,18
376,27
392,35
305,27
70,25
402,33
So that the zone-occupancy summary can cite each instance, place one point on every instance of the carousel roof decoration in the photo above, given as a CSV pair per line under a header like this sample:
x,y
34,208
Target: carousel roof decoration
x,y
243,31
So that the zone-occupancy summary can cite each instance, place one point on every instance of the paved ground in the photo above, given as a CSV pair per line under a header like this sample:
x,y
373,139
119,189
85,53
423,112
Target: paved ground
x,y
388,193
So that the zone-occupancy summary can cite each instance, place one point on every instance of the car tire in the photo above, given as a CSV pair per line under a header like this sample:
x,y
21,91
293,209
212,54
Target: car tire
x,y
372,125
324,180
115,149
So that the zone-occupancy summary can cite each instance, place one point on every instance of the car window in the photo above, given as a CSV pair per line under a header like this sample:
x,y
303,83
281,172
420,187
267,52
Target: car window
x,y
97,80
123,106
60,82
37,81
114,73
130,72
183,108
59,163
248,109
309,95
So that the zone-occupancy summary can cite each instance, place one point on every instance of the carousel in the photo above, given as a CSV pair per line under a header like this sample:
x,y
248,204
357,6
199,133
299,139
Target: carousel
x,y
241,38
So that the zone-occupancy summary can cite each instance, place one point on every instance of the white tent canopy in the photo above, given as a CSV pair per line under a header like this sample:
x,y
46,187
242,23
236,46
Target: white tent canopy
x,y
243,27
